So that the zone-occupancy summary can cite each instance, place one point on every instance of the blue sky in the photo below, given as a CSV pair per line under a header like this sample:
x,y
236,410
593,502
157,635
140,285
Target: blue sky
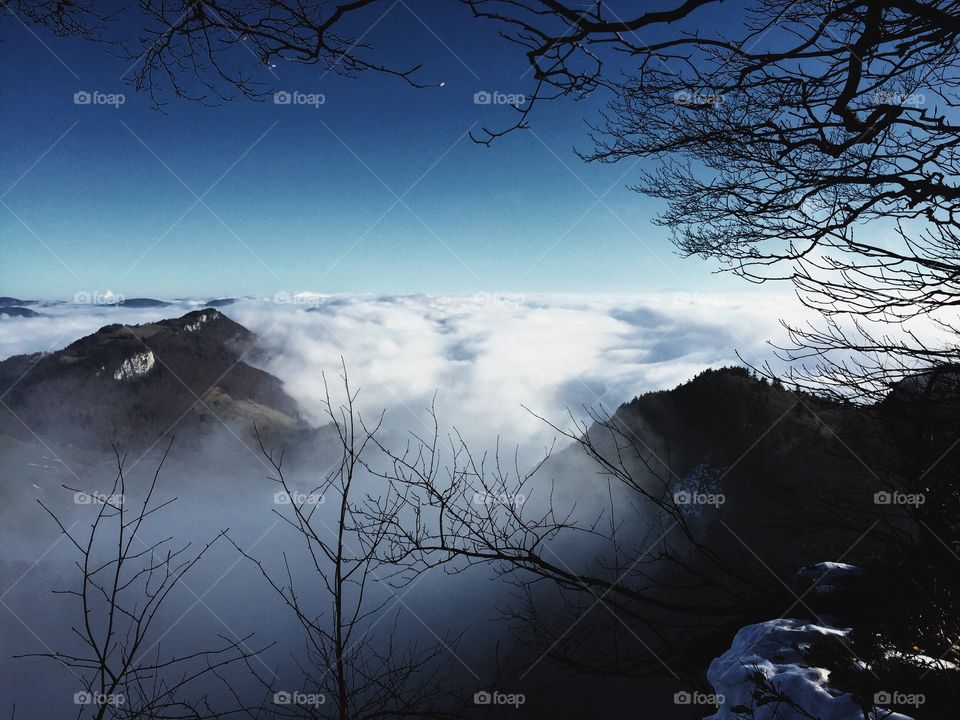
x,y
303,198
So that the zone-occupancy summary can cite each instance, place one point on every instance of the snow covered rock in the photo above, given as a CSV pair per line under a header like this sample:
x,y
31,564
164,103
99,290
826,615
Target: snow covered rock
x,y
829,576
770,655
922,661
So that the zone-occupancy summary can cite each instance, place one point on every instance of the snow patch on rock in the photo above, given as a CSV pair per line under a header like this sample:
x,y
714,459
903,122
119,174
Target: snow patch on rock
x,y
921,660
135,366
829,575
772,652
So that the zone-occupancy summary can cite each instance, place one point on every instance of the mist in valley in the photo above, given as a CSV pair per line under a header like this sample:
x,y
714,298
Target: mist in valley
x,y
485,370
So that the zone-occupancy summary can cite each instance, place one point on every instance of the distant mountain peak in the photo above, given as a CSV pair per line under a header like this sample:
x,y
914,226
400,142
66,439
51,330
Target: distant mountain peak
x,y
134,384
142,302
201,318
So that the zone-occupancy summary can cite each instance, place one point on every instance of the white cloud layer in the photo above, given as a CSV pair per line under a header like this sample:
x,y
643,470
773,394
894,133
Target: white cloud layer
x,y
486,356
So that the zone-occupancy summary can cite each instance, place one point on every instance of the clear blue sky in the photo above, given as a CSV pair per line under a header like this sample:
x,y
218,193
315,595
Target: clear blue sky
x,y
304,198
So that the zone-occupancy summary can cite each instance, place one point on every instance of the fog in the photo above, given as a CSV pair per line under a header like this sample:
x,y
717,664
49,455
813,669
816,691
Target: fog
x,y
485,355
486,361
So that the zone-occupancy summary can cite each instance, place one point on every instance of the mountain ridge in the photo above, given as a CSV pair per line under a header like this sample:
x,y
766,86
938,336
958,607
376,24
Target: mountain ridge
x,y
134,384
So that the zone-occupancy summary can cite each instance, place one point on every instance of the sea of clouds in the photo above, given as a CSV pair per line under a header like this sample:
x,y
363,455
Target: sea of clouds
x,y
481,358
488,360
